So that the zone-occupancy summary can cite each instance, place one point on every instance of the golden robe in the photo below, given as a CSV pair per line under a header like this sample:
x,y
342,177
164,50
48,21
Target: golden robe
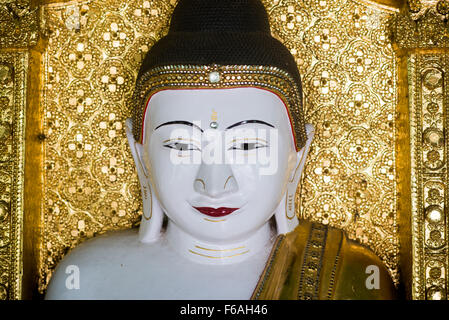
x,y
319,262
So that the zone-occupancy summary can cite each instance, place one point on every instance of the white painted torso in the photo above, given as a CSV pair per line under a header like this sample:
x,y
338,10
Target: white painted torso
x,y
119,266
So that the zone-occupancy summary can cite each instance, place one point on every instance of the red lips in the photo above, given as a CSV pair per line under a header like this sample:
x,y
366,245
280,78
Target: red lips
x,y
218,212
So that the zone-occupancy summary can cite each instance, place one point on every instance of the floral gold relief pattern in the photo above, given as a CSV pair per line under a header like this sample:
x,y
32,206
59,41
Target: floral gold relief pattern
x,y
20,23
90,65
13,75
425,26
428,122
421,35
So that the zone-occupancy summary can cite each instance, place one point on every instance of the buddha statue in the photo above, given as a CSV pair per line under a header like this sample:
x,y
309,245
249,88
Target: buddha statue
x,y
220,142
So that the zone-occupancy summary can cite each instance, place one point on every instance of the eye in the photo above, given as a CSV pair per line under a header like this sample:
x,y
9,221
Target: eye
x,y
182,146
248,146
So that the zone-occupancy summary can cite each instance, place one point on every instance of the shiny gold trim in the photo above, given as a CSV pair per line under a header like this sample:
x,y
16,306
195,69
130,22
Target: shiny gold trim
x,y
268,267
286,207
221,250
34,177
202,181
224,187
310,275
212,257
214,220
12,175
417,287
428,173
403,175
63,3
388,6
151,206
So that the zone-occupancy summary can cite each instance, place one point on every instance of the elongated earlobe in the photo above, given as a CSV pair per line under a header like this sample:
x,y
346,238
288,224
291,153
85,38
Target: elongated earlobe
x,y
285,215
152,217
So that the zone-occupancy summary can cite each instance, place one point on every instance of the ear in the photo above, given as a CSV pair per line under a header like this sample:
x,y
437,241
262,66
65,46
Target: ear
x,y
152,217
286,219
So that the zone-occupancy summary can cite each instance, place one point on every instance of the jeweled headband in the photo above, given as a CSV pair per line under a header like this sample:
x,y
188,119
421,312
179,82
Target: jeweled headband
x,y
220,44
219,77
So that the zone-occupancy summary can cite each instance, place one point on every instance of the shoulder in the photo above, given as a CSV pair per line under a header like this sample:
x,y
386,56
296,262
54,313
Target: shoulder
x,y
322,263
94,250
362,274
94,261
349,270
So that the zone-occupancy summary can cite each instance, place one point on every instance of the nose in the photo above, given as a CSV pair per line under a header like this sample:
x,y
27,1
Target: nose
x,y
215,180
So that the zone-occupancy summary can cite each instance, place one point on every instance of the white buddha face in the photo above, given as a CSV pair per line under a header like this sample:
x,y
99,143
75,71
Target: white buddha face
x,y
218,160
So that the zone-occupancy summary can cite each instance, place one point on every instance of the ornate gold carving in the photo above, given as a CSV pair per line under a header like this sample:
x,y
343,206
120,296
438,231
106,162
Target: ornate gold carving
x,y
424,26
418,8
13,77
94,51
20,23
422,39
268,266
428,125
313,260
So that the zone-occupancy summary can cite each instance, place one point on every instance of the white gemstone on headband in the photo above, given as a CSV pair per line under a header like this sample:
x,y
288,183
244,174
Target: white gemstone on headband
x,y
214,77
214,125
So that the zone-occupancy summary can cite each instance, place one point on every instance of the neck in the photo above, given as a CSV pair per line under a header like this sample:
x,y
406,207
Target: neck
x,y
206,252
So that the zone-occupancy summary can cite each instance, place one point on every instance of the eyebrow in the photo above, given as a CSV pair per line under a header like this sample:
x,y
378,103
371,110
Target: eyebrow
x,y
249,121
187,123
